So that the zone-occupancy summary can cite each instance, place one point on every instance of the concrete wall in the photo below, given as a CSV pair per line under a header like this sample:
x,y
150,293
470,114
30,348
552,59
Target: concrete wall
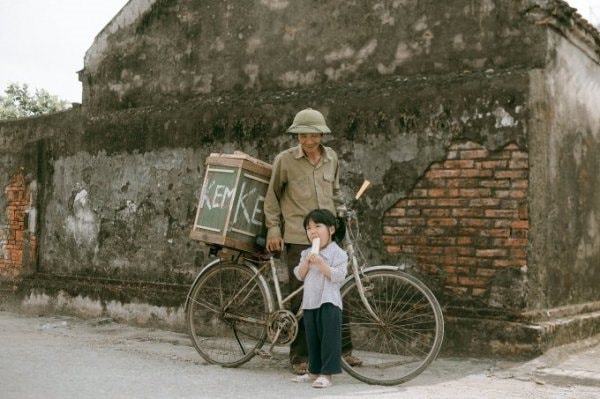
x,y
421,93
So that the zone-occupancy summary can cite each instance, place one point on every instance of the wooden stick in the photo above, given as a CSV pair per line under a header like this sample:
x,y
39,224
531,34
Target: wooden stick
x,y
362,189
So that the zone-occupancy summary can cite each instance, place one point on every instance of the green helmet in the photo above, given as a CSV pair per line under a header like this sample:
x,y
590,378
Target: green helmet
x,y
309,121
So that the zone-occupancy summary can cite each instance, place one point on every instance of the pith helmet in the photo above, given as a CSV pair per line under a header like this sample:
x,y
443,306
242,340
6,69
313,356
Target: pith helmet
x,y
309,121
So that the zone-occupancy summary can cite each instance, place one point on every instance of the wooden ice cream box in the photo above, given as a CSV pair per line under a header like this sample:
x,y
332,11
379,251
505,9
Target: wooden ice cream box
x,y
230,212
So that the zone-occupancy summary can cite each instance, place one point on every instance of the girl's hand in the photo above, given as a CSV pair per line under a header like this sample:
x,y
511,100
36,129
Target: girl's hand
x,y
320,262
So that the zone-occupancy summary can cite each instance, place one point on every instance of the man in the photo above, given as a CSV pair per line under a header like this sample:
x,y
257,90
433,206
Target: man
x,y
303,178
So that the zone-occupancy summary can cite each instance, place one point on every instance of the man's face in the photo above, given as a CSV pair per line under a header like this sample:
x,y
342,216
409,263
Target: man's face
x,y
310,141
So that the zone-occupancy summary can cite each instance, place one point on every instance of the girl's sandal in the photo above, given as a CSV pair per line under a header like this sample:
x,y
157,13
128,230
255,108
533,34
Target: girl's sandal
x,y
304,378
322,382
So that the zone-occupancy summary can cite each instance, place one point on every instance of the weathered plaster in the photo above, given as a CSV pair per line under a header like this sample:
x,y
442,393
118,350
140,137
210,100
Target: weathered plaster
x,y
273,45
564,138
122,215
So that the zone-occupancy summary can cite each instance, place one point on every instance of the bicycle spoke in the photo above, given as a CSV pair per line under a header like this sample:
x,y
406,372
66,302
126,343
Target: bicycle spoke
x,y
404,337
227,314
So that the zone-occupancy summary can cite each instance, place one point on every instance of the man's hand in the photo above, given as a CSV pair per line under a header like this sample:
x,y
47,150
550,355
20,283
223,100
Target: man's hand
x,y
275,244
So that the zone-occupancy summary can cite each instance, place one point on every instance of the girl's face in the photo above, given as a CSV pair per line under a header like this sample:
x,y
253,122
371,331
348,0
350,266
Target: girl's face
x,y
320,230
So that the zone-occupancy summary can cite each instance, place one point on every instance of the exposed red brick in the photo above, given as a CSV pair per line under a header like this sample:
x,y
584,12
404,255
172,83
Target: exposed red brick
x,y
464,251
495,233
436,212
518,194
420,202
463,183
473,154
467,261
518,233
393,249
475,173
501,213
523,211
17,202
451,202
415,240
398,230
428,259
519,184
509,262
396,212
468,212
472,281
436,222
475,192
515,224
441,192
519,253
519,154
510,242
491,253
475,222
486,272
419,193
437,174
447,241
466,216
518,164
497,164
510,174
433,231
458,164
484,202
446,260
455,269
495,183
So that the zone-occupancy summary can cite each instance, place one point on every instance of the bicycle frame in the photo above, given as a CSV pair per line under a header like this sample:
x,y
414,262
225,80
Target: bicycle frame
x,y
236,305
259,269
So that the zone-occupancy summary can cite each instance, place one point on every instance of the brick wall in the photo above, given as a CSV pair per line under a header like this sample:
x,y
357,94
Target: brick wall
x,y
13,231
466,219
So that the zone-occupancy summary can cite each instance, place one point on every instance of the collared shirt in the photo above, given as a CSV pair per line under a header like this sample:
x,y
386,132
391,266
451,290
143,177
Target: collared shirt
x,y
298,187
319,289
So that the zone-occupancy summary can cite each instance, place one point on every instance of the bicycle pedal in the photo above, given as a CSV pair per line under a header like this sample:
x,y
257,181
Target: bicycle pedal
x,y
264,354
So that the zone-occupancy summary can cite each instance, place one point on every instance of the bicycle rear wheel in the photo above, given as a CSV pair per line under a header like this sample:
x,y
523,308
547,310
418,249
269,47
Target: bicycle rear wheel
x,y
407,336
226,314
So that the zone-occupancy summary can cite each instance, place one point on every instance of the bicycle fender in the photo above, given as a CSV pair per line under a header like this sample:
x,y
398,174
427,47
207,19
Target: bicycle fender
x,y
215,263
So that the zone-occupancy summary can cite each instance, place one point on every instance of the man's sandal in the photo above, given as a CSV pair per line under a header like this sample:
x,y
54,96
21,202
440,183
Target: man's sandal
x,y
322,382
300,368
352,361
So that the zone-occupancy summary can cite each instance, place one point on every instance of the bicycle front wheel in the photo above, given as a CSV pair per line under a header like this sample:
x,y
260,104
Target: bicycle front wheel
x,y
227,314
403,333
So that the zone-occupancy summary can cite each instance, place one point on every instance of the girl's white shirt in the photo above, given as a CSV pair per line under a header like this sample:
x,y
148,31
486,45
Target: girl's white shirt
x,y
319,289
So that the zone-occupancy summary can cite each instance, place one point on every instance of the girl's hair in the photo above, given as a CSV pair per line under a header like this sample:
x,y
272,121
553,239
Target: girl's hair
x,y
327,218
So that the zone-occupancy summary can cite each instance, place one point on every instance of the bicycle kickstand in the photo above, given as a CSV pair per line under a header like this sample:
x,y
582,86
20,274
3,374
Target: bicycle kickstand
x,y
268,354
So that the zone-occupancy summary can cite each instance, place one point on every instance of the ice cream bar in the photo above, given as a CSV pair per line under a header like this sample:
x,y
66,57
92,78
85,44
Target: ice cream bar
x,y
316,245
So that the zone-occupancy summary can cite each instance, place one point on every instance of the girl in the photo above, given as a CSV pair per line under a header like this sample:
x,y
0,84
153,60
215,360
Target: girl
x,y
323,271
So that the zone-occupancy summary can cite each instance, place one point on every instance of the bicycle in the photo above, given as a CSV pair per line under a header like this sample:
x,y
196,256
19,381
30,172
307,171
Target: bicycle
x,y
396,323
